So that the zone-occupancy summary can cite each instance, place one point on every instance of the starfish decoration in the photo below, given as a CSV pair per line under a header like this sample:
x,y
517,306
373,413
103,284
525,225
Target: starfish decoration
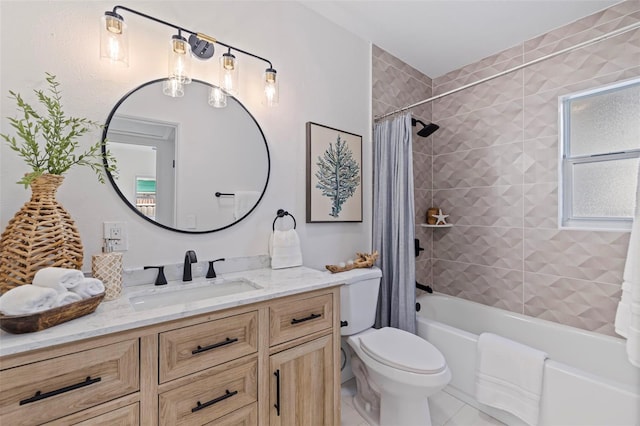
x,y
440,217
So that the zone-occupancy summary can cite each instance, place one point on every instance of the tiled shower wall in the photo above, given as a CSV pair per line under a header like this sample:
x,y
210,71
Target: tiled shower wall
x,y
395,85
493,165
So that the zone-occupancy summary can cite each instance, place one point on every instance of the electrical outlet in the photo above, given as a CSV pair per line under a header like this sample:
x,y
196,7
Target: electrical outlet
x,y
116,232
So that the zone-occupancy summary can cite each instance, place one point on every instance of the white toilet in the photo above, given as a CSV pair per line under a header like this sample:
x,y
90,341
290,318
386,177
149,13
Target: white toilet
x,y
395,370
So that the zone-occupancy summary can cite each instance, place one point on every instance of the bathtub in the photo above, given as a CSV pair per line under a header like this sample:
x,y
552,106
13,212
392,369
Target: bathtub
x,y
587,378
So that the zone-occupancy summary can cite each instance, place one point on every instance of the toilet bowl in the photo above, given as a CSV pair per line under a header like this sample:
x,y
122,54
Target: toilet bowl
x,y
396,371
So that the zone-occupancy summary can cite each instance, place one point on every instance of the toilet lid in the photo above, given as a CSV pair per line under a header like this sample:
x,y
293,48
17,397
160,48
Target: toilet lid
x,y
403,350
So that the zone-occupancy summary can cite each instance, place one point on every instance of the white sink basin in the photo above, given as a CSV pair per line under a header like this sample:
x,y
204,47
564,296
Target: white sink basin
x,y
192,293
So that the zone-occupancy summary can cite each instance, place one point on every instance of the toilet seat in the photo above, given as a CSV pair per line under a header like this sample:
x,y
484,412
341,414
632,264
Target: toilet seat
x,y
402,350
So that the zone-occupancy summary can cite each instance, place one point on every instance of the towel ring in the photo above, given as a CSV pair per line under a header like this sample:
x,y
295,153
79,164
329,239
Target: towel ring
x,y
281,213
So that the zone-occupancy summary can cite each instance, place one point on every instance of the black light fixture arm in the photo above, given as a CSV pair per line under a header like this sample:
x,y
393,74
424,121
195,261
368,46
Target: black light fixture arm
x,y
201,36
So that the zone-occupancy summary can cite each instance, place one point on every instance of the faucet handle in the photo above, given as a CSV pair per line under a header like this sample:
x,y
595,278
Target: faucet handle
x,y
211,273
160,279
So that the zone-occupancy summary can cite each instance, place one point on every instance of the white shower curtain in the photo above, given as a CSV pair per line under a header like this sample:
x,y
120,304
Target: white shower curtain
x,y
627,321
393,222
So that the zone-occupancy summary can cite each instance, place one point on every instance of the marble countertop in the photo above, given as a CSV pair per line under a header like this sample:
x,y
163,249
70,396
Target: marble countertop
x,y
119,315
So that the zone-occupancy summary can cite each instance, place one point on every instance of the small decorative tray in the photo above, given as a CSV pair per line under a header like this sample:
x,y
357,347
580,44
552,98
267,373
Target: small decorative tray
x,y
28,323
364,260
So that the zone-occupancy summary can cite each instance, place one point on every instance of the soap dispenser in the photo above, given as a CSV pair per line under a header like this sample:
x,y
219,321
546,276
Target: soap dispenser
x,y
107,267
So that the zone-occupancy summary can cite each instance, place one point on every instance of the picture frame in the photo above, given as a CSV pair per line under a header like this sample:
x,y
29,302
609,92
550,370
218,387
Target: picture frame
x,y
334,175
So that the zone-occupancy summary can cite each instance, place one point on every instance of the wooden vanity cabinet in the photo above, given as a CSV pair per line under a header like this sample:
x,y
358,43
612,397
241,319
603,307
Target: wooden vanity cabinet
x,y
215,368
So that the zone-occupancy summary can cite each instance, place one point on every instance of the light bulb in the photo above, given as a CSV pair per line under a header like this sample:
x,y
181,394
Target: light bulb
x,y
229,73
114,43
271,92
180,59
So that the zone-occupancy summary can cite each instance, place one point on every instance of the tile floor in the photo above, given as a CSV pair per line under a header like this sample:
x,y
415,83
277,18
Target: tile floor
x,y
445,411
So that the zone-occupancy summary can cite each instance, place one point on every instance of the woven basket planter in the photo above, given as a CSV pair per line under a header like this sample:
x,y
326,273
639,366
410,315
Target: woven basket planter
x,y
41,234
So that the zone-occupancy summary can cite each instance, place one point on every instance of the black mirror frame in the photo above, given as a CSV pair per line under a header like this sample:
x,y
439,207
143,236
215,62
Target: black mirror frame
x,y
132,207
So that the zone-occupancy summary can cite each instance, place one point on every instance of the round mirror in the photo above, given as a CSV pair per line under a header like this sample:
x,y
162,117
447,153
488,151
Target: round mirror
x,y
182,164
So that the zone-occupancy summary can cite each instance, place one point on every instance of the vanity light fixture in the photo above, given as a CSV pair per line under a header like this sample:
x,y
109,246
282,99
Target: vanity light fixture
x,y
229,73
114,43
180,59
114,47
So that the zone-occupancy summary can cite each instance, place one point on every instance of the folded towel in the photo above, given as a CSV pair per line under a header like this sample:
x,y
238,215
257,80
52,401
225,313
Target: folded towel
x,y
509,376
66,298
627,322
27,299
88,287
243,201
59,279
284,249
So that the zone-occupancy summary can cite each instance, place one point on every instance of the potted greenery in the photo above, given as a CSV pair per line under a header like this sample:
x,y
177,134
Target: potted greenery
x,y
42,233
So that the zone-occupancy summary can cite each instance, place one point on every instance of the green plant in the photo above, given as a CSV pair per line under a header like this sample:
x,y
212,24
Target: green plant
x,y
59,133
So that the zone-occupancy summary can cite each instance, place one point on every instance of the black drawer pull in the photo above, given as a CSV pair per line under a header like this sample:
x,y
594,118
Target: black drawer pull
x,y
227,341
277,404
310,317
39,395
200,406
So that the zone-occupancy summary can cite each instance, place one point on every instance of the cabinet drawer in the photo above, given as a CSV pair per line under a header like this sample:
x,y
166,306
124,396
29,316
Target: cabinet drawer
x,y
246,416
125,416
194,348
46,390
293,318
210,398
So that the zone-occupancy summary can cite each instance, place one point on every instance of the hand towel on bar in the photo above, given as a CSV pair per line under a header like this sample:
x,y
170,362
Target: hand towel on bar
x,y
284,249
27,299
88,287
67,297
627,322
59,279
509,376
243,201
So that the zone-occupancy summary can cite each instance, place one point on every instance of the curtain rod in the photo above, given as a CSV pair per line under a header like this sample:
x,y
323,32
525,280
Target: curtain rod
x,y
594,40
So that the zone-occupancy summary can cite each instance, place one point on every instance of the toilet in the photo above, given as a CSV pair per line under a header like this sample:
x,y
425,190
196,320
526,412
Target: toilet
x,y
395,371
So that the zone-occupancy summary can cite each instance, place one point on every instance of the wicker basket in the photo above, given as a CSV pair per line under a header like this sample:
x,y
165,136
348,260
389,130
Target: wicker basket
x,y
41,234
18,324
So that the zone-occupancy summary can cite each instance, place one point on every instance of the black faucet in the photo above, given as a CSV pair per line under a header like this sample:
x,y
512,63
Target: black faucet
x,y
189,259
160,278
211,273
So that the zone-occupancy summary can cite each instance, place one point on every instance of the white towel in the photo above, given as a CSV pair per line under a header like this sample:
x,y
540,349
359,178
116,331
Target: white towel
x,y
88,287
243,201
284,249
509,376
627,322
27,299
59,279
67,297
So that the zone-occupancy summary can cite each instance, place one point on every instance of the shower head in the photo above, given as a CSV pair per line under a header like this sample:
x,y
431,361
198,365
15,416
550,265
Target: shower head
x,y
427,129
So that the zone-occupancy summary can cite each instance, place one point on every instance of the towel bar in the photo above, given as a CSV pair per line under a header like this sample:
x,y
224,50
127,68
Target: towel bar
x,y
282,213
225,194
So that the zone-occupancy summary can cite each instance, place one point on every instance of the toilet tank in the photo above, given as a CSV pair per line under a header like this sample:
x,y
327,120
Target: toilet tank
x,y
359,300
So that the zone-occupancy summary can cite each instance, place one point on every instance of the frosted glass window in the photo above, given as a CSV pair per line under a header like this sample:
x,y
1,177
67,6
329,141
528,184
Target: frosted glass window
x,y
600,156
605,122
605,188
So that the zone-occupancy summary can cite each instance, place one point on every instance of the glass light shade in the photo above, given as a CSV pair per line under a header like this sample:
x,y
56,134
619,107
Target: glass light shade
x,y
173,87
180,59
114,43
217,98
229,73
271,91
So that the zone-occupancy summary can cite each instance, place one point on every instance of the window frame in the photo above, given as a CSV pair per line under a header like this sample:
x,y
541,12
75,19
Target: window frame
x,y
566,163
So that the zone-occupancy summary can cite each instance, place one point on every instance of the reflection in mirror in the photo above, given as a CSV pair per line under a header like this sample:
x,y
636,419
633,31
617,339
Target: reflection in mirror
x,y
174,154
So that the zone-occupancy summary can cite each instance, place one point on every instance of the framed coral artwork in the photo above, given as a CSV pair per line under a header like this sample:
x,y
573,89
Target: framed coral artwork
x,y
334,175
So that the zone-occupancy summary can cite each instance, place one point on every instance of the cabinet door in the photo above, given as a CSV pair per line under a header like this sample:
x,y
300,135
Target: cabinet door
x,y
301,391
